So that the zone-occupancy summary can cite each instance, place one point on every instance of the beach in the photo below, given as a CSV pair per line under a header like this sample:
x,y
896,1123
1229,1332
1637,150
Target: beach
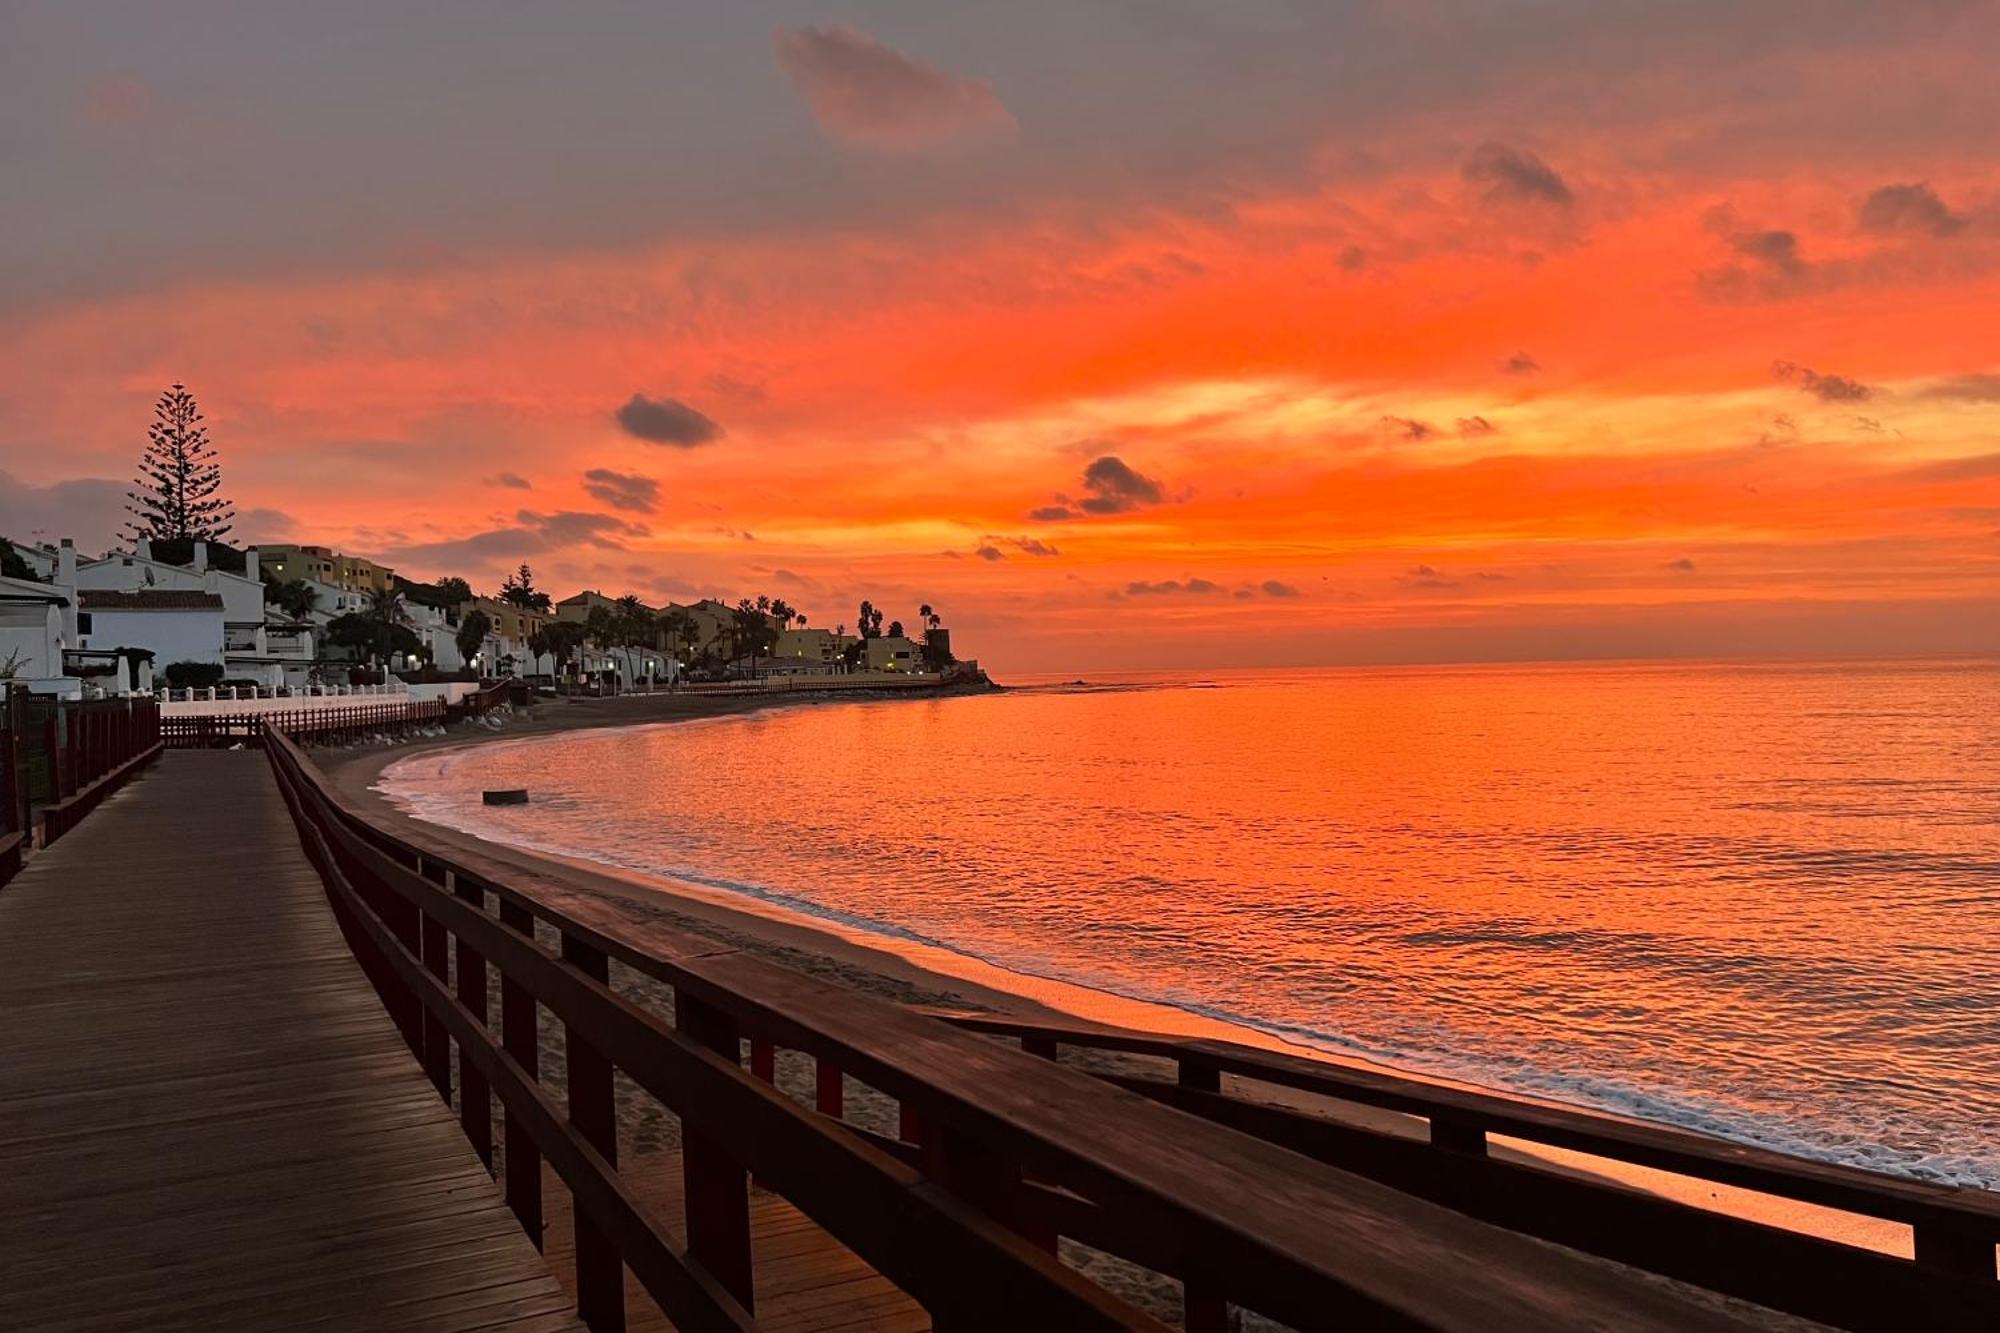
x,y
899,971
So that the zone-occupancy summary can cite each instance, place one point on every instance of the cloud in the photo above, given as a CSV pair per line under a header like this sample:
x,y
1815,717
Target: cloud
x,y
1775,249
1408,428
1471,426
1172,588
530,533
990,553
1273,588
1905,208
511,480
1512,175
1111,486
1026,545
1980,388
865,93
89,509
623,490
666,421
1428,576
1774,265
1520,364
1826,388
1680,566
119,99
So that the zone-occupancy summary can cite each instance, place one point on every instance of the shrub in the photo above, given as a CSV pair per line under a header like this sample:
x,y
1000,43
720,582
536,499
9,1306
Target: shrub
x,y
194,675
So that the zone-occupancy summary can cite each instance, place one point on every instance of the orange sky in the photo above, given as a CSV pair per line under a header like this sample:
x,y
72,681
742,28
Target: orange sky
x,y
1560,366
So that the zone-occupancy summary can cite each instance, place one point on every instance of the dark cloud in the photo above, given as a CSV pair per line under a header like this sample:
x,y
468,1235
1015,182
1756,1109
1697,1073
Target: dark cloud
x,y
623,490
1970,468
990,553
863,92
1428,576
89,509
1026,545
1408,428
1967,389
1513,175
510,480
1520,364
1775,249
1471,426
1114,487
1173,587
1826,388
1353,259
666,421
1906,208
530,534
1111,486
1273,588
1680,566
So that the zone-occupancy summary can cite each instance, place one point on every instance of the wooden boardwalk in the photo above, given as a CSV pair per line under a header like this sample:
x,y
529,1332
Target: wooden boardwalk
x,y
207,1119
806,1281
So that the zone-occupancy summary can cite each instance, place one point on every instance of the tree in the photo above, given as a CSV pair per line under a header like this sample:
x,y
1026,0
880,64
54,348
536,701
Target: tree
x,y
364,633
895,629
295,597
471,635
175,495
12,565
561,639
520,590
755,634
870,626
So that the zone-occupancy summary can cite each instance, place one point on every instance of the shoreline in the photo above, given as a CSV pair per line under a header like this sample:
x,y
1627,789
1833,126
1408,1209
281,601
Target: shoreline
x,y
918,973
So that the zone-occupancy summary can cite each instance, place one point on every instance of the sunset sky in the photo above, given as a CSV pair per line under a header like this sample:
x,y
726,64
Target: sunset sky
x,y
1129,335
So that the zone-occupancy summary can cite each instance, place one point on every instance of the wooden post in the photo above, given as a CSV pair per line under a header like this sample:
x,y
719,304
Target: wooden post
x,y
1455,1137
475,1108
600,1274
437,1039
828,1094
1953,1246
714,1184
13,792
518,1033
1203,1308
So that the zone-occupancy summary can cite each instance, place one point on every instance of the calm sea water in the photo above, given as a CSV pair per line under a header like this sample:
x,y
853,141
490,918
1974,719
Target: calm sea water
x,y
1762,901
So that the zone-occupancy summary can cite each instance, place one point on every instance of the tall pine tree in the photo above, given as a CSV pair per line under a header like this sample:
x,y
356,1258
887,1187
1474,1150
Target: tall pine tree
x,y
178,477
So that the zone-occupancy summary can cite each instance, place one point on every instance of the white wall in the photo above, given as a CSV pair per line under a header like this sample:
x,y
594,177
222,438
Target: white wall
x,y
173,636
242,598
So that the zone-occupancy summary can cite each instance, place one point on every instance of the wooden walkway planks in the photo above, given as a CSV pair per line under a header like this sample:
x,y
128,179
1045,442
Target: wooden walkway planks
x,y
806,1281
207,1119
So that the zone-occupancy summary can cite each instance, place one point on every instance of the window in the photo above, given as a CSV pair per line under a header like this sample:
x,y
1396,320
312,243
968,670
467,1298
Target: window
x,y
83,622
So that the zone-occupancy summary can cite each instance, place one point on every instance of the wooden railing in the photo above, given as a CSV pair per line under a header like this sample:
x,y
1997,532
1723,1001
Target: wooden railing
x,y
207,731
999,1154
79,752
1949,1284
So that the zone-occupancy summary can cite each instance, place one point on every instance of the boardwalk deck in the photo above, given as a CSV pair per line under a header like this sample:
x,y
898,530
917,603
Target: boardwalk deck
x,y
806,1281
207,1120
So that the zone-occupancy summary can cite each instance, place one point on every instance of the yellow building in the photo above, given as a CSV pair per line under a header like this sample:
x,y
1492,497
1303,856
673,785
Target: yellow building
x,y
821,646
511,624
892,653
317,564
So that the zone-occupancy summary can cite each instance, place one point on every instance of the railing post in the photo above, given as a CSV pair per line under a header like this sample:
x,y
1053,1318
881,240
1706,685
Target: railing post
x,y
519,1034
12,789
716,1189
437,1040
1952,1246
1203,1308
829,1097
475,1108
600,1274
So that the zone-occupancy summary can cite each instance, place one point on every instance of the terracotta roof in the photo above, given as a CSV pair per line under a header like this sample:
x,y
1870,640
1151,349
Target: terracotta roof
x,y
153,599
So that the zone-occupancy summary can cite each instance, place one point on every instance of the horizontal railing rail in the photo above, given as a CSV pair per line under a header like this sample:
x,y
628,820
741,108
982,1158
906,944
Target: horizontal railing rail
x,y
1000,1153
222,730
1954,1230
60,758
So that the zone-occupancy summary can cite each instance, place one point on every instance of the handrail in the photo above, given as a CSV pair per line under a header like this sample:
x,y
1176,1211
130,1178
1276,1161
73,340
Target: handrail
x,y
1952,1279
211,730
1005,1142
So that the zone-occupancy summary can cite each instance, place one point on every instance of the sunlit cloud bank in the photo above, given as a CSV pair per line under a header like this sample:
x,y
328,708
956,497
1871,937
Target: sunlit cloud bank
x,y
1522,367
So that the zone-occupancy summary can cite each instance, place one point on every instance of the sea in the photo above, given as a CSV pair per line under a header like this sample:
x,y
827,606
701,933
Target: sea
x,y
1759,900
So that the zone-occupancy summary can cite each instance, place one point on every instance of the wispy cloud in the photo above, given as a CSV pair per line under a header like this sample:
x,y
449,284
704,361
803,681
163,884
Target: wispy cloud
x,y
863,92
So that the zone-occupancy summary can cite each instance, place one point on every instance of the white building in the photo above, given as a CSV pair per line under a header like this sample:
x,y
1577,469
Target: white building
x,y
173,624
34,635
